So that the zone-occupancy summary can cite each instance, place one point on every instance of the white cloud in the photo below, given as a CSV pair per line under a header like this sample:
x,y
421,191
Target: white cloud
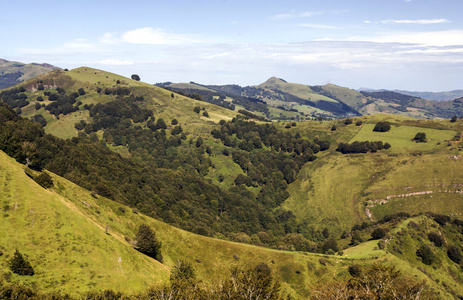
x,y
114,62
294,15
319,26
156,36
421,22
430,38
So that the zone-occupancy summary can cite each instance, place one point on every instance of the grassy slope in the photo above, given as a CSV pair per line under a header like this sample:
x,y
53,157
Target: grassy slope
x,y
158,99
298,90
63,233
346,95
332,191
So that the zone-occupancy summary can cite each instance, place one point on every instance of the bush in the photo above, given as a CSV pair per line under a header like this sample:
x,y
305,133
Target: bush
x,y
420,137
382,126
197,109
174,122
436,239
81,91
426,255
348,121
355,270
20,265
44,180
378,233
454,253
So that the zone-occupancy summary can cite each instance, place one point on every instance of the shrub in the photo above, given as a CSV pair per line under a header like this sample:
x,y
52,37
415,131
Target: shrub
x,y
355,270
426,255
378,233
44,180
197,109
454,253
348,121
20,265
453,119
436,239
81,91
382,126
174,122
333,128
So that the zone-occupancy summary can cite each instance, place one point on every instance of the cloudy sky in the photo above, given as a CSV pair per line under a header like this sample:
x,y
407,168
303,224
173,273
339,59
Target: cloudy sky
x,y
393,44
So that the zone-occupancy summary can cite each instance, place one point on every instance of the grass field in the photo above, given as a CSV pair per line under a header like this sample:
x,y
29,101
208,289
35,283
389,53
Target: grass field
x,y
400,138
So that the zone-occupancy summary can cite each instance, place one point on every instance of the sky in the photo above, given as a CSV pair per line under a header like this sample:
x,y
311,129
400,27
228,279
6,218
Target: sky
x,y
414,45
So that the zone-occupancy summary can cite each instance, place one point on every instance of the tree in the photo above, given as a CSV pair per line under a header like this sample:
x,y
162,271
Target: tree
x,y
420,137
348,121
382,126
20,265
147,243
197,109
453,119
174,122
205,114
378,233
135,77
81,91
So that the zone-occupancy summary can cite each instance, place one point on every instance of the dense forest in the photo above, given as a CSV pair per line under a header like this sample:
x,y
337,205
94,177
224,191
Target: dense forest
x,y
165,176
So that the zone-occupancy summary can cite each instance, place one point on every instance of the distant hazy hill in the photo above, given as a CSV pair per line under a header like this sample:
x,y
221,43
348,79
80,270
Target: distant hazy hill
x,y
436,96
12,72
278,99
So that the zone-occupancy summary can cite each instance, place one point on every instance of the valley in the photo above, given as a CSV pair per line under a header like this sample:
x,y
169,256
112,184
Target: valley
x,y
224,187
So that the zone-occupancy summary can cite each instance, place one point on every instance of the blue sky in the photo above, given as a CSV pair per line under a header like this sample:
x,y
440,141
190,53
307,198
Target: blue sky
x,y
394,44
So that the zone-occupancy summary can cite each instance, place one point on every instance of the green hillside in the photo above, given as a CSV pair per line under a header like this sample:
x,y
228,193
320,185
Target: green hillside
x,y
341,190
78,243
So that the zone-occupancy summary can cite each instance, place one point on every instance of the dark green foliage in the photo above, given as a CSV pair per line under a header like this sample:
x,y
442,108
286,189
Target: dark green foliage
x,y
174,122
333,128
19,265
348,121
441,219
330,244
44,180
426,254
40,119
177,130
205,114
81,92
362,147
436,238
454,253
454,119
358,123
420,137
382,126
355,270
103,190
378,233
147,243
197,109
135,77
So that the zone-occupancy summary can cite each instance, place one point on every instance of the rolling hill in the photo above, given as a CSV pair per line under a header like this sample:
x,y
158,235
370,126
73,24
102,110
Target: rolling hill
x,y
300,102
12,72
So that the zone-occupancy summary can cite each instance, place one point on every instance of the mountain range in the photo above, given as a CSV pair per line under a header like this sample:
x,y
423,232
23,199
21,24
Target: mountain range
x,y
12,72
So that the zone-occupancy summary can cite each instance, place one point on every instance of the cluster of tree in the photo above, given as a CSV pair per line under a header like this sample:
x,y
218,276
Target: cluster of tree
x,y
362,147
14,97
420,137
